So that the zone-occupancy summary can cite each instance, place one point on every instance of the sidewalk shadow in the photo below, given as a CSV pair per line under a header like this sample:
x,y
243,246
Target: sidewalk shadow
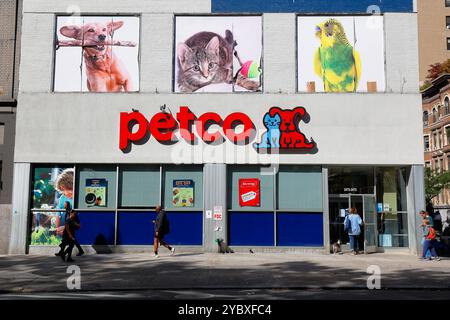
x,y
101,245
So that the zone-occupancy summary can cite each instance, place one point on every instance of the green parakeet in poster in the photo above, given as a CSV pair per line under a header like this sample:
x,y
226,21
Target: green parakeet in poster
x,y
336,61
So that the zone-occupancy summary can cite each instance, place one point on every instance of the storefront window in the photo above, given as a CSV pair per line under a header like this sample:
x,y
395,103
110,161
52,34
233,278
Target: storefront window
x,y
392,207
250,189
183,187
51,187
351,180
96,187
300,188
139,186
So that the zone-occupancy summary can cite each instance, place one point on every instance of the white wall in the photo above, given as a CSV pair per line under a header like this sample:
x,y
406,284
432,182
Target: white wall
x,y
382,128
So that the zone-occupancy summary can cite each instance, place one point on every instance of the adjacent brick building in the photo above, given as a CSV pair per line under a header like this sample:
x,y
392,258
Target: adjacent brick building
x,y
436,133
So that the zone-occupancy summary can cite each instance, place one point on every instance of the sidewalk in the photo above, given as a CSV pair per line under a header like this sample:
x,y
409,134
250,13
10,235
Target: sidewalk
x,y
110,272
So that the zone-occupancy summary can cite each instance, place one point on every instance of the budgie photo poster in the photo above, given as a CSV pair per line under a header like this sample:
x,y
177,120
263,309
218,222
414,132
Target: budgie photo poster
x,y
340,54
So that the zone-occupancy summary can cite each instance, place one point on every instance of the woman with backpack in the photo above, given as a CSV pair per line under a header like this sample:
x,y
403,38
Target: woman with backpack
x,y
161,229
352,225
430,241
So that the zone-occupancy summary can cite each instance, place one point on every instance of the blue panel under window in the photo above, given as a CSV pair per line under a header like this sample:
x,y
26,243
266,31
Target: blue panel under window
x,y
309,6
186,228
97,228
300,229
251,229
135,228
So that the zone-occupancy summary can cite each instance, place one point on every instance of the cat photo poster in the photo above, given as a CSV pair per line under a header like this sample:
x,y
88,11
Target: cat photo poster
x,y
218,54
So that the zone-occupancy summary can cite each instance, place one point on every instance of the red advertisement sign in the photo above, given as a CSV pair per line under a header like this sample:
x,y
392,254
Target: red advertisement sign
x,y
249,193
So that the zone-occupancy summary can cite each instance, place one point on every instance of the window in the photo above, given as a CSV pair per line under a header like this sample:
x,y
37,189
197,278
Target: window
x,y
441,165
183,187
447,3
2,133
425,118
1,175
434,115
439,140
447,22
434,141
300,188
351,180
446,105
140,186
426,141
392,199
447,133
51,187
96,187
448,43
439,112
266,187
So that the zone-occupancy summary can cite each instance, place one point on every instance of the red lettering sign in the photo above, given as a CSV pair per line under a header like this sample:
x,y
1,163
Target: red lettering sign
x,y
237,117
163,126
127,122
210,117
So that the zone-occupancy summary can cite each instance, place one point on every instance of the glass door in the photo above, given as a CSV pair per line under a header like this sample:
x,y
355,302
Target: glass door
x,y
370,224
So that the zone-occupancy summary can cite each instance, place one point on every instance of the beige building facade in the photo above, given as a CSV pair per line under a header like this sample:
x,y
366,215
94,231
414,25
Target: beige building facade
x,y
434,33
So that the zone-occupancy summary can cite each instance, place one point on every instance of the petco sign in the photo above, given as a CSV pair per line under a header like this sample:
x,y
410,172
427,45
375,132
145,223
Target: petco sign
x,y
282,129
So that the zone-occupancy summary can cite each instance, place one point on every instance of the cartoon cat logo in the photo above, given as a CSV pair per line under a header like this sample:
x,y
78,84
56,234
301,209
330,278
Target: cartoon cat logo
x,y
283,131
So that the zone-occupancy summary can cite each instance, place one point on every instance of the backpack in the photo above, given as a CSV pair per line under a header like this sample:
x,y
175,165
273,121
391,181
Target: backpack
x,y
165,228
347,224
431,234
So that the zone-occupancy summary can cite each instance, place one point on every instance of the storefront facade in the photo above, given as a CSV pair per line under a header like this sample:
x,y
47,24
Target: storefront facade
x,y
267,159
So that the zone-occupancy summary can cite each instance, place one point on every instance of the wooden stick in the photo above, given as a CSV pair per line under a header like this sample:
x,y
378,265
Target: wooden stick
x,y
79,43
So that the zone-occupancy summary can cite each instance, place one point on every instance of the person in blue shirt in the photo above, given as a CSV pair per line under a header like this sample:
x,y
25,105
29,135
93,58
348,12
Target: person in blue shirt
x,y
352,225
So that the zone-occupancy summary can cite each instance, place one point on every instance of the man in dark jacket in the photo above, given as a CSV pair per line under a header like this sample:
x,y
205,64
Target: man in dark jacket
x,y
68,209
161,229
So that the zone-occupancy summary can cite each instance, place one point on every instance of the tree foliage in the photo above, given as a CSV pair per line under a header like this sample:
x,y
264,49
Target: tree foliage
x,y
435,71
435,183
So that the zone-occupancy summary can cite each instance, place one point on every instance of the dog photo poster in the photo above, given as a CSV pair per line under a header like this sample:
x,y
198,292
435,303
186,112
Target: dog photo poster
x,y
97,54
217,54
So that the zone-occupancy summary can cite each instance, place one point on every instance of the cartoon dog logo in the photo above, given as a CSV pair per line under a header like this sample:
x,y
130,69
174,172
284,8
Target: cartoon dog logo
x,y
283,130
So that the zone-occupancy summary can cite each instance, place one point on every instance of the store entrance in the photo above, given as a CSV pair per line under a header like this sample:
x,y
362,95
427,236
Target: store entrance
x,y
365,207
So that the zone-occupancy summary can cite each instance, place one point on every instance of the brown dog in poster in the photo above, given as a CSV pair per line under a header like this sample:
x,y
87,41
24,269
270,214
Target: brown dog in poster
x,y
104,71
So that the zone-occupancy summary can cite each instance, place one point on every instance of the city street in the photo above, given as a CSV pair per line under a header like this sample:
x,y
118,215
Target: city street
x,y
219,276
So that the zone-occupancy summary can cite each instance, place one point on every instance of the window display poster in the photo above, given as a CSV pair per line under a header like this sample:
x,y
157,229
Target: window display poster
x,y
51,187
183,193
96,192
249,193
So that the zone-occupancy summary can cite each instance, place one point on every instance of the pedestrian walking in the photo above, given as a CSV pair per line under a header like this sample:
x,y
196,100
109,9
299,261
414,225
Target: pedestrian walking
x,y
69,237
68,211
430,241
426,219
352,225
162,228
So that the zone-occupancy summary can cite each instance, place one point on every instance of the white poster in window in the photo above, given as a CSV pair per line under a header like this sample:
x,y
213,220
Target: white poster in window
x,y
208,214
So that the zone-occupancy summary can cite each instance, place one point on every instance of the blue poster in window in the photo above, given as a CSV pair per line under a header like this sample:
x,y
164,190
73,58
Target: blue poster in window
x,y
96,192
183,193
